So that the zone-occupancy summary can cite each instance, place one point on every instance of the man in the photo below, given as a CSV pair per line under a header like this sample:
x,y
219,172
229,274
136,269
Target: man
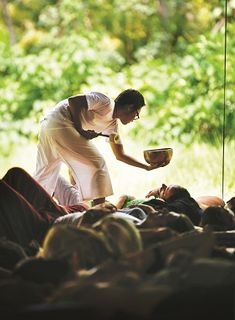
x,y
66,134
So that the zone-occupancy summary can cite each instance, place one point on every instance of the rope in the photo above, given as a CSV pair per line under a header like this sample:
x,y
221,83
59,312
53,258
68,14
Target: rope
x,y
224,107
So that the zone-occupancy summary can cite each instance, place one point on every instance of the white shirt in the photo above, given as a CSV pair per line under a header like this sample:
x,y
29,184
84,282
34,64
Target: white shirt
x,y
98,116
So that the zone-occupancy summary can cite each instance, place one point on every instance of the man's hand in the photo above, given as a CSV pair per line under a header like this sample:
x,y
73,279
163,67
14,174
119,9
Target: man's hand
x,y
155,193
153,166
106,207
88,134
96,213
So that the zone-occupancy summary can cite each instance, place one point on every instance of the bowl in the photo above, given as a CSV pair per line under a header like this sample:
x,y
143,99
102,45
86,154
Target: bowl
x,y
158,156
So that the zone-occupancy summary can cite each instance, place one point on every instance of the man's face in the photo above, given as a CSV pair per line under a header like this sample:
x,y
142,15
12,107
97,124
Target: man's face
x,y
165,192
160,220
129,114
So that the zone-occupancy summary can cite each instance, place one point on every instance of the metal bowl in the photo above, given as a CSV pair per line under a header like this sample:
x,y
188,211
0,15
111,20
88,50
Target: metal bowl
x,y
158,156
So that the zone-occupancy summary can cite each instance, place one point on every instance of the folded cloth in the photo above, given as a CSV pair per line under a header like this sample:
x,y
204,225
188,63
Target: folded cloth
x,y
134,212
70,218
130,214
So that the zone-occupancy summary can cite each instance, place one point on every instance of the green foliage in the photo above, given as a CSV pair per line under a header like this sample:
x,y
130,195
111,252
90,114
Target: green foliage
x,y
170,50
186,94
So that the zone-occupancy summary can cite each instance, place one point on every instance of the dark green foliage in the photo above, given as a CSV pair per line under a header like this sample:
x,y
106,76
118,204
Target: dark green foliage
x,y
172,51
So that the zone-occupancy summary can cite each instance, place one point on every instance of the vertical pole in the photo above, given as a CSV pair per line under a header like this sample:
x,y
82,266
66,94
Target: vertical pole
x,y
224,108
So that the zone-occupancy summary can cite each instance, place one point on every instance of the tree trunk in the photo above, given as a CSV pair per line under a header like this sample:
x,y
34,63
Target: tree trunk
x,y
8,21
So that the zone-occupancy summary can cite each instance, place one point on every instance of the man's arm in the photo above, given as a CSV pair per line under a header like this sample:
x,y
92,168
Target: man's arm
x,y
120,155
76,105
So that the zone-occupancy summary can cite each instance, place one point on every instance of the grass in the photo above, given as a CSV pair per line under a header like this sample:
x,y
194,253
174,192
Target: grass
x,y
198,168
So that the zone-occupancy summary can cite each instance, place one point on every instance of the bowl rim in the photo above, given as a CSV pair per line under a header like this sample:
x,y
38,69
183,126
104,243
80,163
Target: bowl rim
x,y
159,149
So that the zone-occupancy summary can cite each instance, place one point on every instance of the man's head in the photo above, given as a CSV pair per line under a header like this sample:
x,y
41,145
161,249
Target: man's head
x,y
84,248
164,218
217,218
172,192
230,204
122,235
128,105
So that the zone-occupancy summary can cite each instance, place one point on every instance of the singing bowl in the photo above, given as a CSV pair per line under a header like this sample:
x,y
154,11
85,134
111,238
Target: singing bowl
x,y
158,156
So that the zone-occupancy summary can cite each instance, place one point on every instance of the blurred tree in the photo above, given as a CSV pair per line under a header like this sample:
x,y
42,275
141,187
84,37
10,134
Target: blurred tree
x,y
8,21
171,50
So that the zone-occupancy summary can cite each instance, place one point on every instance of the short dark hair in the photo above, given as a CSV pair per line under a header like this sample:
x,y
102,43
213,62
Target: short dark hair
x,y
218,218
181,224
130,96
231,204
179,193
